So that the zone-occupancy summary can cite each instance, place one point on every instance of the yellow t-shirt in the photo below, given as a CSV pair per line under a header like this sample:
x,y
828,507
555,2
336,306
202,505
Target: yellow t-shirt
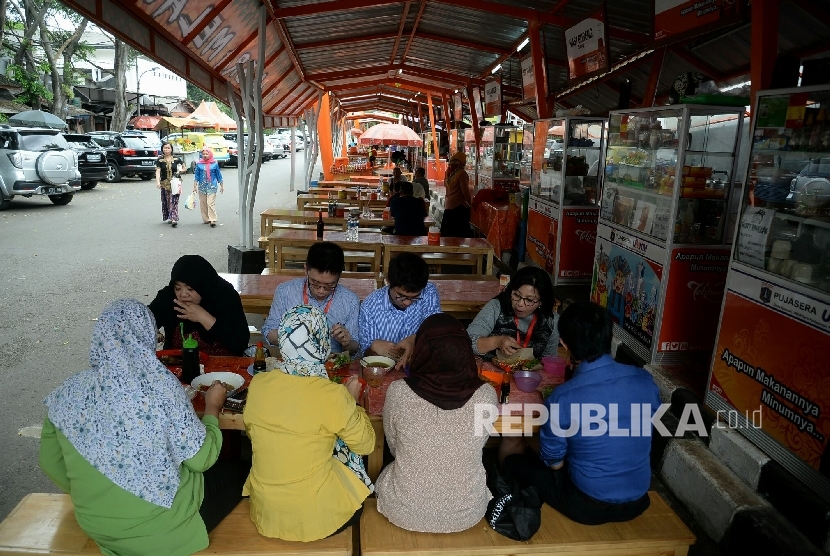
x,y
298,491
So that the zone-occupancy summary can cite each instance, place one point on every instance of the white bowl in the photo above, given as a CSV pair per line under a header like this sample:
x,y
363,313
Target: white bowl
x,y
207,379
378,361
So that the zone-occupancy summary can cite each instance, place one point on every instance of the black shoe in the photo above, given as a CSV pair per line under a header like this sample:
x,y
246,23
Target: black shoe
x,y
213,224
174,224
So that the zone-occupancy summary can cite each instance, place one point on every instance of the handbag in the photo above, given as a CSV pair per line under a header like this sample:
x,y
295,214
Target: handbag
x,y
514,511
175,186
190,203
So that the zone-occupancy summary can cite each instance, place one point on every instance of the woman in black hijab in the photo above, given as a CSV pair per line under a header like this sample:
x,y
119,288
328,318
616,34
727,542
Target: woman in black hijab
x,y
437,482
209,307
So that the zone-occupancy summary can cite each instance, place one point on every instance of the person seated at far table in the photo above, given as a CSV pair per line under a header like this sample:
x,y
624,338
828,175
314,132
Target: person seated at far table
x,y
420,184
590,478
390,316
397,177
308,433
124,442
205,304
324,264
437,482
519,317
409,212
394,192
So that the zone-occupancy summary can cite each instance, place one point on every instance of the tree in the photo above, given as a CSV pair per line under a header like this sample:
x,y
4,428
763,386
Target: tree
x,y
63,44
122,109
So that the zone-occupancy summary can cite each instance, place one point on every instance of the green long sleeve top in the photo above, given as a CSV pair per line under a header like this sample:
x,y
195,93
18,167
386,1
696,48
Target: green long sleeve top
x,y
119,521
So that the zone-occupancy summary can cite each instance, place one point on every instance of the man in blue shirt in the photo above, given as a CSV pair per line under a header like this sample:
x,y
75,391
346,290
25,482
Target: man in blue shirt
x,y
390,316
593,472
324,264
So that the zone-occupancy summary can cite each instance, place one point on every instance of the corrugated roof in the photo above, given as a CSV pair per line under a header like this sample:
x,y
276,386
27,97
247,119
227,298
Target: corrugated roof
x,y
474,25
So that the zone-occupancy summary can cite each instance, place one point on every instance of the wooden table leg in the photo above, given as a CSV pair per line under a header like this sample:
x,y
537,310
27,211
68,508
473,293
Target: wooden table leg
x,y
489,269
376,457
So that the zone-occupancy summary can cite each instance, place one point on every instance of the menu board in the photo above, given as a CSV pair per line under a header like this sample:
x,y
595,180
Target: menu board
x,y
587,46
492,98
753,234
528,82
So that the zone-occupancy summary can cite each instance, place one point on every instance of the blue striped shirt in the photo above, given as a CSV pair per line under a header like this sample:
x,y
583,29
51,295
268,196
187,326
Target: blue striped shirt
x,y
344,308
381,320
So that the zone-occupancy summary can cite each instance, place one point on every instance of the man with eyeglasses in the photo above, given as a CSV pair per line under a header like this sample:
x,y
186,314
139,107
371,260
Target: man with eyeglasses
x,y
324,264
390,316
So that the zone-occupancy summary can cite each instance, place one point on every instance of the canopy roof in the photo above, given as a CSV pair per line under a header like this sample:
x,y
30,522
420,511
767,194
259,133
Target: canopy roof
x,y
377,54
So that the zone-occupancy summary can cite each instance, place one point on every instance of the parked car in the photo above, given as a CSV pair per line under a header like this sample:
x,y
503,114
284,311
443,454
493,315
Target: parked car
x,y
92,158
128,154
152,138
282,146
810,190
233,152
38,162
268,152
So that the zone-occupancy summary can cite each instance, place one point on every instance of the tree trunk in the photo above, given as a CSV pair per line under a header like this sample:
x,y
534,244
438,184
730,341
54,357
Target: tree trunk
x,y
122,109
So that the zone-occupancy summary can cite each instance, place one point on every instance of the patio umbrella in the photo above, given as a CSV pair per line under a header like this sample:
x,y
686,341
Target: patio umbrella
x,y
38,118
390,134
144,122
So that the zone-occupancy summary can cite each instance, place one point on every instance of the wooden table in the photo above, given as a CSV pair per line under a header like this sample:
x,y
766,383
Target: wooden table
x,y
280,240
418,244
463,299
304,199
257,290
239,365
269,217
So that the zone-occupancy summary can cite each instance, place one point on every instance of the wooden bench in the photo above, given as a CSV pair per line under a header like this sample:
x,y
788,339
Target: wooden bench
x,y
263,239
45,524
658,531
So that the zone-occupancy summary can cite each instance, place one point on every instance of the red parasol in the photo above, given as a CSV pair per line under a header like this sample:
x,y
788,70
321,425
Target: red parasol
x,y
144,122
390,134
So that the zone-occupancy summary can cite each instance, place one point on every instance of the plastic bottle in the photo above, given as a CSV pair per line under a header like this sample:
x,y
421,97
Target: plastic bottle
x,y
320,226
259,359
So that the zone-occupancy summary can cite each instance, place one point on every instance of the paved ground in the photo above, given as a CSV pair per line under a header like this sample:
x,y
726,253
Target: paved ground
x,y
59,266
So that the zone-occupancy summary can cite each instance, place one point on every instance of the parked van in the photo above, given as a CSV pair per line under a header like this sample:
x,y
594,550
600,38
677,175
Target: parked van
x,y
216,142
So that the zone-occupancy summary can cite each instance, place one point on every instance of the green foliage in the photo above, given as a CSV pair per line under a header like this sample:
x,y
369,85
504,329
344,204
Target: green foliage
x,y
33,89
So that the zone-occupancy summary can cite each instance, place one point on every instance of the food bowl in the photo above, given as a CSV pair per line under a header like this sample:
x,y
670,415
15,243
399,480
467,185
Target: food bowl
x,y
377,361
230,379
527,381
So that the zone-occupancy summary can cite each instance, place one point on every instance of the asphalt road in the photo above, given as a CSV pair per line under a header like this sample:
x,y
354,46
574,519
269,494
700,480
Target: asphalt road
x,y
61,265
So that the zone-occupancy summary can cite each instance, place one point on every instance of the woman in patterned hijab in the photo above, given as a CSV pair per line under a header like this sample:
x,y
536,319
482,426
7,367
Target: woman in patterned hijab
x,y
123,440
304,345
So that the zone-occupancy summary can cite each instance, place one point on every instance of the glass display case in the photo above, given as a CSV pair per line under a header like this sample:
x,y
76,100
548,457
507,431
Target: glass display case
x,y
770,357
661,253
565,187
500,154
472,157
525,169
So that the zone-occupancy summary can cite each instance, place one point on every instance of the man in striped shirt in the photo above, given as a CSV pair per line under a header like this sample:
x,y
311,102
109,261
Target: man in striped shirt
x,y
390,316
324,264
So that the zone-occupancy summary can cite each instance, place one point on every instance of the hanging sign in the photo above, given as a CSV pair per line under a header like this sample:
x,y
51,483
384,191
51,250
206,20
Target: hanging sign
x,y
456,107
586,46
673,17
753,234
476,103
492,98
528,83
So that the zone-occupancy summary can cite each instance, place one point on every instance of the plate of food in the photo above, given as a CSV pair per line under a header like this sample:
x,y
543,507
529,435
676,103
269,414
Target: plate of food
x,y
338,363
231,381
520,365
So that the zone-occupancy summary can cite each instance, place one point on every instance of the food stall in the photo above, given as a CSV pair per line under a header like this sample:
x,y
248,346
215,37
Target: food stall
x,y
661,249
565,184
500,151
770,366
435,166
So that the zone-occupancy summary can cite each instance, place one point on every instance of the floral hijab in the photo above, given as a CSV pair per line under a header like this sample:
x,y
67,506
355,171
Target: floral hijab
x,y
128,415
304,345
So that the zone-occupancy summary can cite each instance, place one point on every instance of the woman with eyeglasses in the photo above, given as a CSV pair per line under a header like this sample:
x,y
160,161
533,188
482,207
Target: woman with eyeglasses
x,y
519,317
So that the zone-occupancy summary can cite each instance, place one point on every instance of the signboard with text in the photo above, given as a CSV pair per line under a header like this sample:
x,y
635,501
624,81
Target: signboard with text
x,y
674,17
528,82
492,98
771,360
586,46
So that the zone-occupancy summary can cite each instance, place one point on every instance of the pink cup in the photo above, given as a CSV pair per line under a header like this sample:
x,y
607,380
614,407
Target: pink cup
x,y
554,365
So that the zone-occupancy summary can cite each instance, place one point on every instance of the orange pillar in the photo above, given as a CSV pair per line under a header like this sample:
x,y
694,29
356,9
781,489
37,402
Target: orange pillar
x,y
540,74
324,137
764,39
432,125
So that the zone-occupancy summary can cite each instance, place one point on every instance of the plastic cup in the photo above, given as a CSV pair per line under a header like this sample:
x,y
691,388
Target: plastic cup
x,y
554,365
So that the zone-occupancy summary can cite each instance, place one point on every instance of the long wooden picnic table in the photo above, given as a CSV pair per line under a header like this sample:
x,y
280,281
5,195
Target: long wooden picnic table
x,y
320,202
280,239
393,244
269,216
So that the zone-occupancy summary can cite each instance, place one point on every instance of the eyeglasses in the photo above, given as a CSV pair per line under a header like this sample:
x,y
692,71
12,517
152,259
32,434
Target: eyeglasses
x,y
312,283
526,301
402,298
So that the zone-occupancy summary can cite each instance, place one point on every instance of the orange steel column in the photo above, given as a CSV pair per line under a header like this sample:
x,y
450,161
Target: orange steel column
x,y
434,131
324,137
654,77
344,150
764,41
539,70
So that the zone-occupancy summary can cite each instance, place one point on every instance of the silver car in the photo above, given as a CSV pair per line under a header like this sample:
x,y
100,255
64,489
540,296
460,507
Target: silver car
x,y
37,162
